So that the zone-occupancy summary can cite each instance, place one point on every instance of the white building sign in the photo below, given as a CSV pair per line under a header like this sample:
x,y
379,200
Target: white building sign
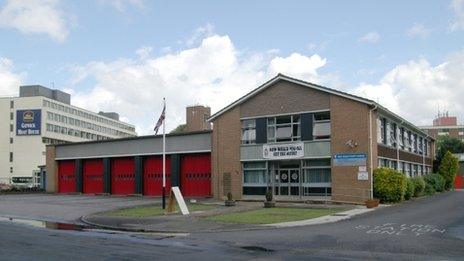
x,y
283,151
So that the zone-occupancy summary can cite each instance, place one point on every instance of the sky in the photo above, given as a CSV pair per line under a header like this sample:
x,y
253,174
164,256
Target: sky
x,y
126,55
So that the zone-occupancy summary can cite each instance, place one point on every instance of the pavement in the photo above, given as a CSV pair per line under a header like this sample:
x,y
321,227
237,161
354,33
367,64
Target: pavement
x,y
63,208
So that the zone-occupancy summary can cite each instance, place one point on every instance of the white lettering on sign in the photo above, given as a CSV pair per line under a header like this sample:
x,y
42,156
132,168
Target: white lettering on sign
x,y
395,229
283,151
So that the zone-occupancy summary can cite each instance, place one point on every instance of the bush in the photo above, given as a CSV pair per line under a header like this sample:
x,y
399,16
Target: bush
x,y
448,168
419,186
389,185
435,181
409,189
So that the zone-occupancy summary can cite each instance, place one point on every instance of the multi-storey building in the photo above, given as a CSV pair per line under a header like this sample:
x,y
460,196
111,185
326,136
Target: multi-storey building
x,y
444,125
41,116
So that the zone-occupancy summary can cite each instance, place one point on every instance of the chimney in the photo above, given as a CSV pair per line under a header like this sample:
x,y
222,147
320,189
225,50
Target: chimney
x,y
197,118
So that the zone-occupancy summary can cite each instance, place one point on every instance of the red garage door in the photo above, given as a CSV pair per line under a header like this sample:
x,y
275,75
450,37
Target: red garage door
x,y
153,175
459,182
93,176
196,175
122,176
67,176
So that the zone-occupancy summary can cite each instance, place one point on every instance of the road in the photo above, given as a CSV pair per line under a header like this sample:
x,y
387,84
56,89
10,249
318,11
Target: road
x,y
429,228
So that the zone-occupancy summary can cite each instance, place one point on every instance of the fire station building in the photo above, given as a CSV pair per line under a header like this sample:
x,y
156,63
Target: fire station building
x,y
295,138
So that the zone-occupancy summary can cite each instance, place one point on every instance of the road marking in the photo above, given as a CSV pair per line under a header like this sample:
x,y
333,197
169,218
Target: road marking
x,y
397,229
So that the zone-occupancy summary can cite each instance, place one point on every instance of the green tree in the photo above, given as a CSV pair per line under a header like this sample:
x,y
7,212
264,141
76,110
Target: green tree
x,y
444,144
448,169
179,129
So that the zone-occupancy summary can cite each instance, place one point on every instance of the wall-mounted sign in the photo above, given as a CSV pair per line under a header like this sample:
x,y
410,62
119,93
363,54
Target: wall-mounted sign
x,y
362,175
349,159
28,122
283,151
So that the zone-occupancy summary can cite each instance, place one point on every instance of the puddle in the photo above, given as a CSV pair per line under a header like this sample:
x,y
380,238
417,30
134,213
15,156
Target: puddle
x,y
257,248
45,224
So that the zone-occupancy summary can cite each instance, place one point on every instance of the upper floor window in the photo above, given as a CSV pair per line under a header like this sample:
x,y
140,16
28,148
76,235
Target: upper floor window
x,y
248,131
321,129
283,128
381,130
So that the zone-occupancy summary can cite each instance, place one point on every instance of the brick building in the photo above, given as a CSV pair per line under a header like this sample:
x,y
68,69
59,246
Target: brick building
x,y
300,139
444,125
295,138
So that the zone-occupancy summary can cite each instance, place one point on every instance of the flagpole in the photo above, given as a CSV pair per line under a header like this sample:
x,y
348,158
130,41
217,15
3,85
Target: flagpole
x,y
164,155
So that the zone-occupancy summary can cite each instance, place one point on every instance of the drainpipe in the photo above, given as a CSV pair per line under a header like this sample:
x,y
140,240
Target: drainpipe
x,y
371,165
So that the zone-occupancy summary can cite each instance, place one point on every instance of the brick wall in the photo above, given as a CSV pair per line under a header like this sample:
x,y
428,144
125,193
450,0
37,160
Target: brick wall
x,y
52,169
350,121
225,154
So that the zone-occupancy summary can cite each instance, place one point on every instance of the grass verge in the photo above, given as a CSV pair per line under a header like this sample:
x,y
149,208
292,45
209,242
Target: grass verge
x,y
152,210
273,215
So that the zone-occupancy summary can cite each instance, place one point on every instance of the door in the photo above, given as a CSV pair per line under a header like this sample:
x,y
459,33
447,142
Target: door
x,y
123,176
288,182
92,176
153,175
195,176
67,176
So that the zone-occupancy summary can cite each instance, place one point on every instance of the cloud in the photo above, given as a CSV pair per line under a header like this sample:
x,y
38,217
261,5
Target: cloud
x,y
457,23
122,5
35,17
9,81
416,89
213,73
371,37
418,30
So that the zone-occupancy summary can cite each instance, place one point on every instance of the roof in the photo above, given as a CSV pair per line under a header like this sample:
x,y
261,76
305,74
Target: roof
x,y
133,138
282,77
431,127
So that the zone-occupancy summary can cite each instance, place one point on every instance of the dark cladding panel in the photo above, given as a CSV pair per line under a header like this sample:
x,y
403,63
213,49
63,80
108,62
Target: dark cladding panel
x,y
79,176
138,174
175,170
107,175
306,126
261,130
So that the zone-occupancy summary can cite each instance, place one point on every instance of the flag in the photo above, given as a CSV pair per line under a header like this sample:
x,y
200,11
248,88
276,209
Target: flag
x,y
161,120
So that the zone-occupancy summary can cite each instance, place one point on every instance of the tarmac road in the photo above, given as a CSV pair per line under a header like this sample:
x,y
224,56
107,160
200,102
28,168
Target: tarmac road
x,y
429,228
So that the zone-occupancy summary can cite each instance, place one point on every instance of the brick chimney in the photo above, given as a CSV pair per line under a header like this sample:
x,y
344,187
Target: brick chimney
x,y
197,117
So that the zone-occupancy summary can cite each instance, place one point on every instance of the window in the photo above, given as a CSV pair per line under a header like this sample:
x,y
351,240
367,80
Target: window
x,y
420,146
283,128
11,140
11,128
382,130
414,145
11,116
254,178
407,169
401,138
401,167
248,131
11,104
317,177
321,128
411,141
11,156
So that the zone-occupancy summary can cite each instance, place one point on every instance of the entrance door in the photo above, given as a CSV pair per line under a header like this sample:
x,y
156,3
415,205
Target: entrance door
x,y
288,182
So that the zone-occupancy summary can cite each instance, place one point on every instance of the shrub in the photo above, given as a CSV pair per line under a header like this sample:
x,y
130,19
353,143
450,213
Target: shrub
x,y
409,189
429,189
389,185
419,186
448,168
435,181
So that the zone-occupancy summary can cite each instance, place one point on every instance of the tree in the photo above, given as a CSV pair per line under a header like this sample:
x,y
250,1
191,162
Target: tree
x,y
444,144
179,129
448,168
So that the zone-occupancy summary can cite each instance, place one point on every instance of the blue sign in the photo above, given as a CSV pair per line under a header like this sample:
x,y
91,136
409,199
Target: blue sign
x,y
28,122
349,159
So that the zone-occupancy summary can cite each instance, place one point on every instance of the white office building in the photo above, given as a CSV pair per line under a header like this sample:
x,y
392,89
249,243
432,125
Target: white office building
x,y
41,116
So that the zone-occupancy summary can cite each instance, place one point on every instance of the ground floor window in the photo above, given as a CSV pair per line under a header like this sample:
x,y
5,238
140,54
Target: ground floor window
x,y
255,180
317,177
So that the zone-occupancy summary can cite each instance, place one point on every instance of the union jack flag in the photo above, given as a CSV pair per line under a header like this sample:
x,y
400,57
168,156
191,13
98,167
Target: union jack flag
x,y
161,120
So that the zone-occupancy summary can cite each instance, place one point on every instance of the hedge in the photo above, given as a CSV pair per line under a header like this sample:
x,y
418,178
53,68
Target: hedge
x,y
409,193
419,186
448,169
389,185
434,183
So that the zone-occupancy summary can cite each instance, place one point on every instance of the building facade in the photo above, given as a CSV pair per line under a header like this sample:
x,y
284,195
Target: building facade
x,y
41,116
299,139
445,125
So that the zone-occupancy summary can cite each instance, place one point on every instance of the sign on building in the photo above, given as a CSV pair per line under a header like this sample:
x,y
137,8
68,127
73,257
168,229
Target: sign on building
x,y
283,151
28,122
349,159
